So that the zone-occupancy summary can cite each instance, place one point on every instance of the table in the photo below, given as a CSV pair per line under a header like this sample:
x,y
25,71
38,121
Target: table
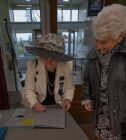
x,y
71,132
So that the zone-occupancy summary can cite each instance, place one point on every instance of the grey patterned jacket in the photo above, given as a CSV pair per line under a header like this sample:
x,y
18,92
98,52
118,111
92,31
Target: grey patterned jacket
x,y
116,87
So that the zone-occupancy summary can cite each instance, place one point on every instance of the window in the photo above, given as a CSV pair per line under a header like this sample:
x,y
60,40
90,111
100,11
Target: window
x,y
36,15
65,35
25,15
74,15
66,15
59,15
22,16
23,40
73,43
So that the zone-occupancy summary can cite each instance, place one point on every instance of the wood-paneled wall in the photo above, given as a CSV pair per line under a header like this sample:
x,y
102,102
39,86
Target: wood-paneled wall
x,y
53,16
78,111
109,2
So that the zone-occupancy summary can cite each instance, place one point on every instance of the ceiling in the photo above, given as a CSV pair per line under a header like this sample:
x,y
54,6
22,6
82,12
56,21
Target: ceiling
x,y
73,2
37,1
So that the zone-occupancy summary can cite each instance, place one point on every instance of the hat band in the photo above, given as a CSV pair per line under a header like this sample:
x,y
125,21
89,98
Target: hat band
x,y
51,47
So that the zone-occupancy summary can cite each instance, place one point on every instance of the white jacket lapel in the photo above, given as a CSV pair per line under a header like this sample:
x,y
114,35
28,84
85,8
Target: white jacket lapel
x,y
42,78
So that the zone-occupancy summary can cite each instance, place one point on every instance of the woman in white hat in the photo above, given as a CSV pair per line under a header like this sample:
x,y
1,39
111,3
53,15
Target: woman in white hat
x,y
49,80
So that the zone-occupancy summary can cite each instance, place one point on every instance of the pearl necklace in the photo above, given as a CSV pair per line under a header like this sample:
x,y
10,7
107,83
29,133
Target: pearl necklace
x,y
49,84
51,93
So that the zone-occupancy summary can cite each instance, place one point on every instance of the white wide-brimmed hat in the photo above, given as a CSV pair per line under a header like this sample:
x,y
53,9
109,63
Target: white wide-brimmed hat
x,y
50,46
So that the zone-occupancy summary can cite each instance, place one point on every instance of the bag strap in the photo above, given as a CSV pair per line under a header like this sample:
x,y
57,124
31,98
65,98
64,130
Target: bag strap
x,y
36,72
36,62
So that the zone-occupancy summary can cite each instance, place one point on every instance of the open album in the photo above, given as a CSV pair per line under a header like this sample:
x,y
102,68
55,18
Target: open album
x,y
51,118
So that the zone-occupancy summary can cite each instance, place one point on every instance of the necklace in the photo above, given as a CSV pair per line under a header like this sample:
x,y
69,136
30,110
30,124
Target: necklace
x,y
51,93
50,84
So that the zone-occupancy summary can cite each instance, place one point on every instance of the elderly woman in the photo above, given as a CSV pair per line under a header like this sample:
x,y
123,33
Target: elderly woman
x,y
49,80
104,88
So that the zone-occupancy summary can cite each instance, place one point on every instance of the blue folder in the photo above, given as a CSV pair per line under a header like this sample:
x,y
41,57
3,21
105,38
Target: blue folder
x,y
3,131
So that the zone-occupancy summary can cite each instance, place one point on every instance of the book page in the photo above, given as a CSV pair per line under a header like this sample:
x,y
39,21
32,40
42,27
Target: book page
x,y
52,117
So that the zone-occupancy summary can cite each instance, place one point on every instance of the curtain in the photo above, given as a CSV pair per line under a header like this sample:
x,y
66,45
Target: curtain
x,y
4,100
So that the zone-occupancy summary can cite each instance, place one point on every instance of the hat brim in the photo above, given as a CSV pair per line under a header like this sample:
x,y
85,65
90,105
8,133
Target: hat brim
x,y
49,54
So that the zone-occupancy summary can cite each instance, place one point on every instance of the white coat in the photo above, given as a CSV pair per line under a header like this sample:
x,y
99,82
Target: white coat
x,y
35,89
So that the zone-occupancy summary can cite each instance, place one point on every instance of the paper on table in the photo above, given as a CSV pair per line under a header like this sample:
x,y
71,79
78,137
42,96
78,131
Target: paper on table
x,y
52,117
19,116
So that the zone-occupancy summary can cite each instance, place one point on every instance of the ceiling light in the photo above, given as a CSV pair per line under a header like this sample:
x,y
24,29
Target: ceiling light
x,y
24,5
60,5
28,8
65,0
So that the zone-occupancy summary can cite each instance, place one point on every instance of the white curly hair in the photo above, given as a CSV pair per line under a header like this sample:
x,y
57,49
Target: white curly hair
x,y
110,22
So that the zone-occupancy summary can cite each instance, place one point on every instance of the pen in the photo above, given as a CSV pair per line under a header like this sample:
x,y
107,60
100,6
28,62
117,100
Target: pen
x,y
20,116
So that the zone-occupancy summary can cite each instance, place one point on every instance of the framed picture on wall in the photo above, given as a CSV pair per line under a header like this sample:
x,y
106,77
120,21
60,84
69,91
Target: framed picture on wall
x,y
94,7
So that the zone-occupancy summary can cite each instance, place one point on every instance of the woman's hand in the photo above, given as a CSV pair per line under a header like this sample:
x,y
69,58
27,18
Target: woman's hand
x,y
39,108
66,105
88,107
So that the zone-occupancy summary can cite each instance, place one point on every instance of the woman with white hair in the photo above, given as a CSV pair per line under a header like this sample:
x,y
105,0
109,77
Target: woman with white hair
x,y
104,88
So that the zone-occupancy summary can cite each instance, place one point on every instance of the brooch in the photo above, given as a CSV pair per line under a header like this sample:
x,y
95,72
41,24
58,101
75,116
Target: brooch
x,y
61,84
